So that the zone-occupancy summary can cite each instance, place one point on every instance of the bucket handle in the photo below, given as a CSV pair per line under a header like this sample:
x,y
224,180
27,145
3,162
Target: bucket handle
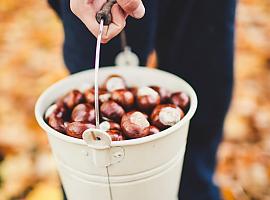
x,y
103,154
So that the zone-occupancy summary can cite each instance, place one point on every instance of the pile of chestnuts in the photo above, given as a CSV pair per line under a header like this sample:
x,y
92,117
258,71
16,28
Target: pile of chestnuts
x,y
125,112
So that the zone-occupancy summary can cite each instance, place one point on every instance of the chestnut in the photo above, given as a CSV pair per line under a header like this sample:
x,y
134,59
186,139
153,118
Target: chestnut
x,y
76,129
114,82
104,97
56,123
112,111
123,97
180,99
50,111
147,99
134,124
133,90
153,130
163,93
90,96
83,112
109,125
59,111
71,99
125,112
164,116
116,135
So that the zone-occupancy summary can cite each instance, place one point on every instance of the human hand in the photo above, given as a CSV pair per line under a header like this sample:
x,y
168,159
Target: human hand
x,y
86,11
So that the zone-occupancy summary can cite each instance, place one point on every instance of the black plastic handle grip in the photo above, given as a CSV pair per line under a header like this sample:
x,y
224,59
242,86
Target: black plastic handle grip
x,y
105,12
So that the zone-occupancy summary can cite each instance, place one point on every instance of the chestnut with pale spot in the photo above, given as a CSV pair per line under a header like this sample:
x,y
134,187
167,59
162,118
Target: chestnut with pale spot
x,y
109,125
112,111
90,96
167,115
76,129
135,125
50,111
163,93
84,112
59,111
180,99
123,97
71,99
114,82
147,99
56,123
153,130
116,135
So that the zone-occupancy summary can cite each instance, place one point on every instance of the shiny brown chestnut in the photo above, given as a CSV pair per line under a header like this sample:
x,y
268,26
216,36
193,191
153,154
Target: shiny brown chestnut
x,y
76,129
147,99
59,111
71,99
112,111
109,125
180,99
114,82
56,123
165,116
83,112
123,97
116,135
90,96
163,93
135,125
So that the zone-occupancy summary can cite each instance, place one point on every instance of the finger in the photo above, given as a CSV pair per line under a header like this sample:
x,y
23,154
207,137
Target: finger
x,y
135,8
117,25
91,24
86,11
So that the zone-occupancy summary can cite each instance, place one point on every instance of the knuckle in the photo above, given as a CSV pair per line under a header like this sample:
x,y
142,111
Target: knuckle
x,y
130,5
123,25
105,39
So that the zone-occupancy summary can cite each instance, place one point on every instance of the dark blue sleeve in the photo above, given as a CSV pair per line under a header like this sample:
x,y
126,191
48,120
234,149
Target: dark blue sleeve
x,y
55,5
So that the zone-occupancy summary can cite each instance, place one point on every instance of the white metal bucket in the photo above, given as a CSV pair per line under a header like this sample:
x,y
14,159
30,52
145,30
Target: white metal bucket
x,y
147,168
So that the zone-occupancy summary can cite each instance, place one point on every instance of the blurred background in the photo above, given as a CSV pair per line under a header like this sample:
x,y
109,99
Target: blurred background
x,y
31,60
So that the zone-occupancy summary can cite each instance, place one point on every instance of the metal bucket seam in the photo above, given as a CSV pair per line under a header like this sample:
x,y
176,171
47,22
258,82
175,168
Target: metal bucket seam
x,y
127,182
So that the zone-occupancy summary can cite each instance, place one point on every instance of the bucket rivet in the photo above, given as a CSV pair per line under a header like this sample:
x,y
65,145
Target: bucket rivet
x,y
118,154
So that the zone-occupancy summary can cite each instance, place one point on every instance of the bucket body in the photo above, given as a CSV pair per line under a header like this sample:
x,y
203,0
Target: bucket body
x,y
147,168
